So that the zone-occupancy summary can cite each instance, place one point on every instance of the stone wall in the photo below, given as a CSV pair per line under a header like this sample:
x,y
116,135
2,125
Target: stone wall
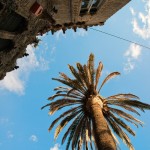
x,y
56,15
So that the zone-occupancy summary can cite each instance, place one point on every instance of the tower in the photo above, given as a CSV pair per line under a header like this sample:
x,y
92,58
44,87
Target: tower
x,y
22,20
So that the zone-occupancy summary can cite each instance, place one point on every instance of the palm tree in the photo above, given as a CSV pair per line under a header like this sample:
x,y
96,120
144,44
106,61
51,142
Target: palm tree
x,y
93,120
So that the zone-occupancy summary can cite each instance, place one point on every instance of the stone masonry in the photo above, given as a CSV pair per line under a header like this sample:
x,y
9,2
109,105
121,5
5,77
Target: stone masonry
x,y
22,20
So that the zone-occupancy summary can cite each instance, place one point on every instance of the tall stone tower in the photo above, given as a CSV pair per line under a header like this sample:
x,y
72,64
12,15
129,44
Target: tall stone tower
x,y
22,20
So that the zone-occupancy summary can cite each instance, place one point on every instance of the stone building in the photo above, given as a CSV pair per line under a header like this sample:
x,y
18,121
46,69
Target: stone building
x,y
22,20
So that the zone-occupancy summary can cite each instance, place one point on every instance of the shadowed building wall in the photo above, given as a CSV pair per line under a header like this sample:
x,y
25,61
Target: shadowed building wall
x,y
22,20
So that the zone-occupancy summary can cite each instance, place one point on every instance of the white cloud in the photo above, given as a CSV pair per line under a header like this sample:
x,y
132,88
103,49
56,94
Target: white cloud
x,y
10,135
56,147
141,27
15,80
12,83
33,138
53,50
129,66
81,32
59,33
141,21
132,54
132,11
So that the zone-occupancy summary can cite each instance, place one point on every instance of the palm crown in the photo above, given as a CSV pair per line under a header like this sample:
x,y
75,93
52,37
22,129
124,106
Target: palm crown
x,y
83,94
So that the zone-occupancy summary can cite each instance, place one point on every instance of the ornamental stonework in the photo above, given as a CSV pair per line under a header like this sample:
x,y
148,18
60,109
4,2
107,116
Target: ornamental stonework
x,y
22,20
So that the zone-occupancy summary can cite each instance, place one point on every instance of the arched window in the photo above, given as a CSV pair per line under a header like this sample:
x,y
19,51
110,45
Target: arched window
x,y
89,6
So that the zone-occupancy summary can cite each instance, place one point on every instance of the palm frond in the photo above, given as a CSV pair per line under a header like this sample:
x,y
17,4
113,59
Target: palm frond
x,y
72,131
64,123
46,105
122,124
75,93
129,108
80,88
120,133
114,137
110,76
77,76
71,83
88,76
133,103
64,76
84,135
98,74
53,108
67,79
83,74
91,69
62,88
69,91
89,132
80,143
63,115
64,101
72,127
77,133
62,95
122,96
126,116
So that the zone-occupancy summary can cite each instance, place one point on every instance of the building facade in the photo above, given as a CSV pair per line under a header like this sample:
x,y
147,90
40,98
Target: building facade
x,y
22,20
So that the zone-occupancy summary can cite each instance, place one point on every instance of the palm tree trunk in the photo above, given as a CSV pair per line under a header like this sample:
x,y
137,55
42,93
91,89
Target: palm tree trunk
x,y
103,136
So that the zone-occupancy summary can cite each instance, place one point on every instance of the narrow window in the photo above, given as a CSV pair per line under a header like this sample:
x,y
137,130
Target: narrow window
x,y
89,6
6,44
1,6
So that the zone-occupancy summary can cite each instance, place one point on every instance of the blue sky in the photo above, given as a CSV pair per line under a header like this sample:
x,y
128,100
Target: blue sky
x,y
24,91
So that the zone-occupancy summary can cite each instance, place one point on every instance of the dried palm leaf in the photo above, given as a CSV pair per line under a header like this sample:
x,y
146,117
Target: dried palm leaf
x,y
63,115
98,74
125,96
110,76
122,124
83,74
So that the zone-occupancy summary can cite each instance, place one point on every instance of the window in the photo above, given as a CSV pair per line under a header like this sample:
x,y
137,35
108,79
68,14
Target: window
x,y
89,6
6,44
1,6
